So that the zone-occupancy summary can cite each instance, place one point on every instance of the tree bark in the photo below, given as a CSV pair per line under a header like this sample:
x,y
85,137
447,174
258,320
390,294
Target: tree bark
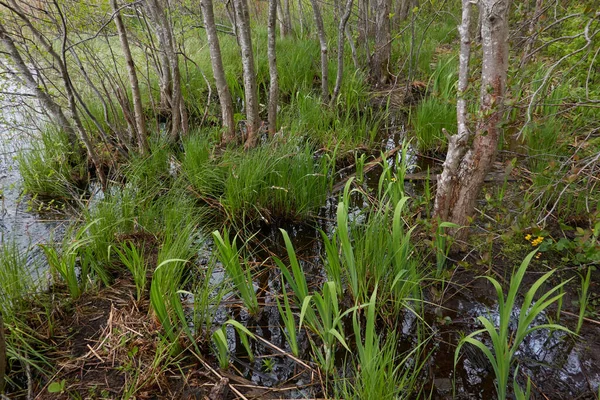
x,y
219,72
273,79
285,18
323,44
140,123
465,168
383,44
340,55
250,86
171,95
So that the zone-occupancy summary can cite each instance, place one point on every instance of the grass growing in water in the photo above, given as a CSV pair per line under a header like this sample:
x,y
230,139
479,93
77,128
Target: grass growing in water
x,y
239,274
64,262
505,342
51,169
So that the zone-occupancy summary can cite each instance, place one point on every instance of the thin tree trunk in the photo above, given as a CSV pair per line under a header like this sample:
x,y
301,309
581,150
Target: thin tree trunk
x,y
352,47
323,44
218,71
383,48
170,62
363,27
273,83
285,18
55,111
71,97
465,168
302,18
141,132
250,86
340,55
164,70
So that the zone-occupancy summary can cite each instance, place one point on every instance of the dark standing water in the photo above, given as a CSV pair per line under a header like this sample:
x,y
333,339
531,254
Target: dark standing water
x,y
18,224
560,367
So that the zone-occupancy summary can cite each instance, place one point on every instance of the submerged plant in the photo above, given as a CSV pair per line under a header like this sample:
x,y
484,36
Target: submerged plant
x,y
506,342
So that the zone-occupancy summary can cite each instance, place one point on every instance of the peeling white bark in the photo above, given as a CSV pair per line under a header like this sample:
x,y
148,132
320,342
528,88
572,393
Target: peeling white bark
x,y
465,168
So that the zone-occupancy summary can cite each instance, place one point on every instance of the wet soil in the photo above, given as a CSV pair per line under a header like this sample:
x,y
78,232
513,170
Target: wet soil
x,y
105,342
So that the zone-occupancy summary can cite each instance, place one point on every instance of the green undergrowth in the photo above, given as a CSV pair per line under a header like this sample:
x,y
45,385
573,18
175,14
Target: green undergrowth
x,y
279,181
52,168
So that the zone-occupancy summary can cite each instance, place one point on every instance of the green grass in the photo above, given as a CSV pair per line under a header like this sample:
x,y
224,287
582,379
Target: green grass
x,y
238,272
51,169
379,371
179,247
16,280
74,262
134,260
505,341
428,119
267,184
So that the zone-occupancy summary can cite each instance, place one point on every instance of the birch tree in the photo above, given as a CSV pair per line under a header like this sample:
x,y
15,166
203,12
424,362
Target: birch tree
x,y
383,42
242,16
340,55
273,79
140,123
323,43
467,165
170,77
218,71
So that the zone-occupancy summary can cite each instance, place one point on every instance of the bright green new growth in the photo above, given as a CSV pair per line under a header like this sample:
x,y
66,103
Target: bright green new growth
x,y
505,342
64,262
326,322
167,280
222,347
584,298
134,260
241,277
289,321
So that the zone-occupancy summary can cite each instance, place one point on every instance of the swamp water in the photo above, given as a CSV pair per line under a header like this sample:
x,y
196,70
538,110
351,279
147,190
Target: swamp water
x,y
561,367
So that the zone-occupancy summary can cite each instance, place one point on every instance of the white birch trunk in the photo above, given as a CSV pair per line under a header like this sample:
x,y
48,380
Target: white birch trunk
x,y
250,86
340,55
323,44
219,72
273,79
140,123
465,168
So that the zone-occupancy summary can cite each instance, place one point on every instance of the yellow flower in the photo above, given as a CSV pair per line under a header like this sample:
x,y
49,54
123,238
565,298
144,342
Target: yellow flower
x,y
394,179
528,237
537,241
